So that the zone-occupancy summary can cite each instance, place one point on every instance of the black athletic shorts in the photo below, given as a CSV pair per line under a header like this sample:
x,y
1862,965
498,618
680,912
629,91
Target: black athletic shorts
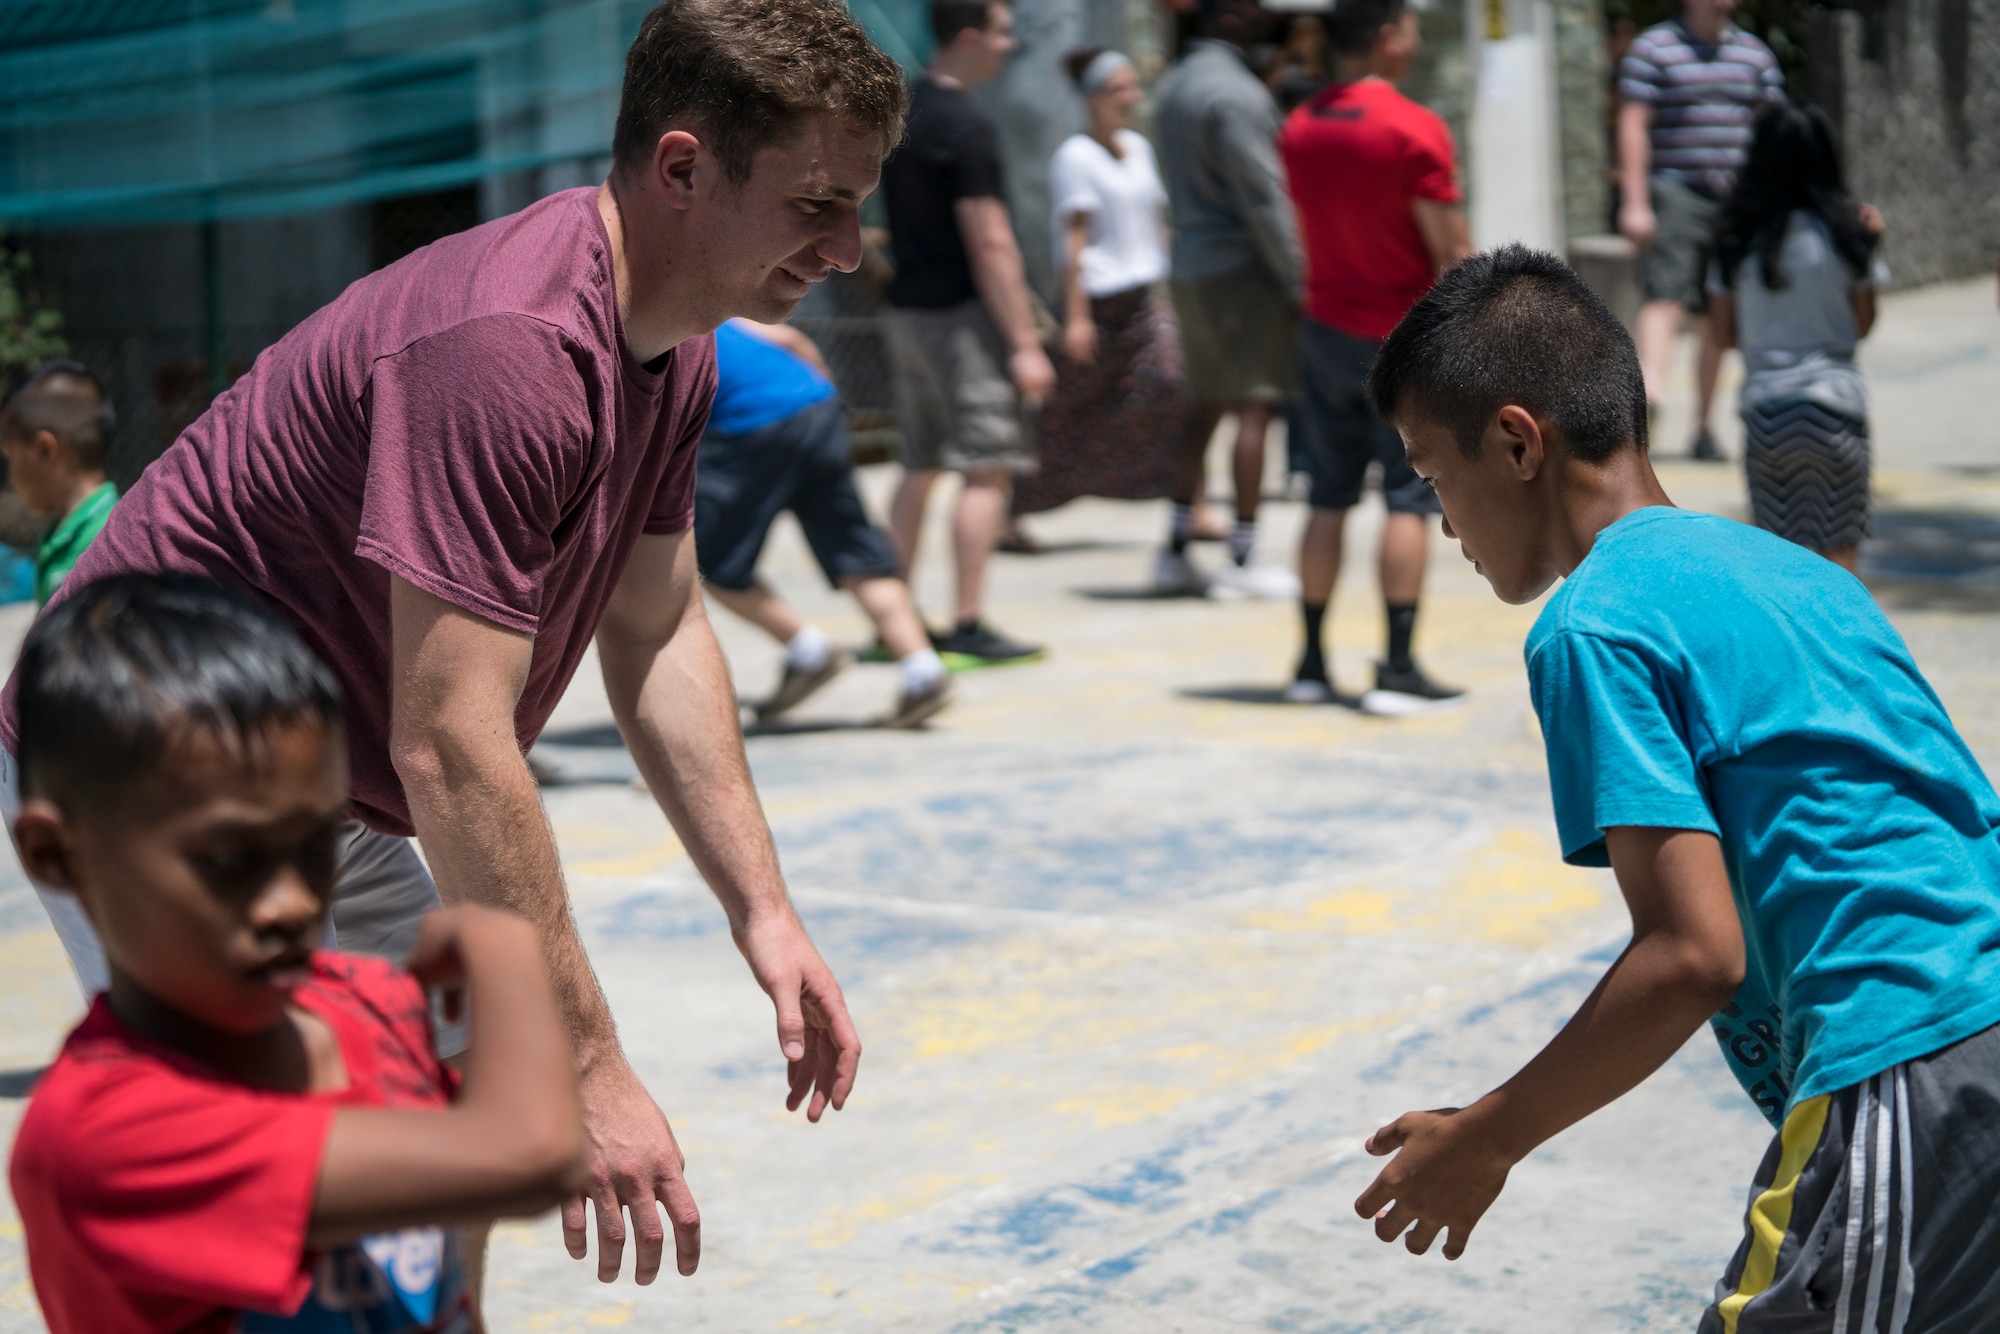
x,y
804,464
1873,1212
1342,434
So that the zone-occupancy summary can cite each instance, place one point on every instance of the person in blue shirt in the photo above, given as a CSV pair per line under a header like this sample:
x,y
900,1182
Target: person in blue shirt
x,y
1810,853
778,440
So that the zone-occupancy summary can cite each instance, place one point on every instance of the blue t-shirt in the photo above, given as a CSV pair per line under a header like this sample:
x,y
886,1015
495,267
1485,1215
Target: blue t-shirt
x,y
1697,673
758,383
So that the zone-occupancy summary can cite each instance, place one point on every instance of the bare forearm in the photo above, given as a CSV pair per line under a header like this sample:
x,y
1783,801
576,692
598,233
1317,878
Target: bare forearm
x,y
1635,151
1003,286
479,817
1076,302
677,712
1657,995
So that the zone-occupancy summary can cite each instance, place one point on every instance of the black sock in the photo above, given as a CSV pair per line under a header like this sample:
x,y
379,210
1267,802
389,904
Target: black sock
x,y
1402,625
968,624
1180,527
1312,664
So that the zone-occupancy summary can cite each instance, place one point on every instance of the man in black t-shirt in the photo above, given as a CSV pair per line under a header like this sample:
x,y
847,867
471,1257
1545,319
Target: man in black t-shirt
x,y
962,339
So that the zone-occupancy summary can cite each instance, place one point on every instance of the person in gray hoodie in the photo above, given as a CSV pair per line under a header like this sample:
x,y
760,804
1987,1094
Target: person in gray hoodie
x,y
1236,268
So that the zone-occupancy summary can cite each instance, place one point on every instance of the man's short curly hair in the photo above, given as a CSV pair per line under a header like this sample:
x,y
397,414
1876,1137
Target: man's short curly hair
x,y
744,74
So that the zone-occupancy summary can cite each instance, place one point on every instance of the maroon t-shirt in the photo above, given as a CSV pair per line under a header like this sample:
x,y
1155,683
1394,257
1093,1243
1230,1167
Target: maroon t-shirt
x,y
469,419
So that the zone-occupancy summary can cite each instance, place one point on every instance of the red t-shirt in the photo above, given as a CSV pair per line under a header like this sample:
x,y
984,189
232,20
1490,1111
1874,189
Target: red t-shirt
x,y
158,1197
469,419
1356,155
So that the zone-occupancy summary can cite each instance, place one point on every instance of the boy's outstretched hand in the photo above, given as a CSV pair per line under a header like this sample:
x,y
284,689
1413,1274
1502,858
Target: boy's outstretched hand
x,y
1446,1176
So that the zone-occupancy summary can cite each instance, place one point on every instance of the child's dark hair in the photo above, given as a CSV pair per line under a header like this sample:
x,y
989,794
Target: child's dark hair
x,y
66,400
1515,325
1794,164
113,673
1353,25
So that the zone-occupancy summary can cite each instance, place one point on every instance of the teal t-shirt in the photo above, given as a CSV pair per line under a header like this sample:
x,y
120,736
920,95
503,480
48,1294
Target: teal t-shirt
x,y
1697,673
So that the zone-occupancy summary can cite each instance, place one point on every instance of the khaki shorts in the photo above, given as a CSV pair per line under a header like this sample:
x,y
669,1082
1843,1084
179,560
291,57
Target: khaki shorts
x,y
955,401
1240,334
1674,266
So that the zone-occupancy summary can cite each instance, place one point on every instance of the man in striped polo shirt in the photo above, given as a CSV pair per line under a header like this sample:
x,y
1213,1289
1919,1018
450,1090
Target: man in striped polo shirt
x,y
1690,89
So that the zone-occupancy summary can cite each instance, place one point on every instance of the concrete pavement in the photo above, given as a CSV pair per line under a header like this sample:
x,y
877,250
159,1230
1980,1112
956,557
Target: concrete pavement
x,y
1141,955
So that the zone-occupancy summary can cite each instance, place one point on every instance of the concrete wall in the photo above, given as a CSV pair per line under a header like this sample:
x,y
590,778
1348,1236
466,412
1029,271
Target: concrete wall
x,y
1583,100
1915,87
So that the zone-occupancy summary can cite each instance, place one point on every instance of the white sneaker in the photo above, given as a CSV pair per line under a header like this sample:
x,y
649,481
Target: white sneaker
x,y
1265,583
1175,576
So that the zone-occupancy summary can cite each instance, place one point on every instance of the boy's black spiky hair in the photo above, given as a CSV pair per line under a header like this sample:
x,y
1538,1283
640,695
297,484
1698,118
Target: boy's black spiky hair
x,y
1515,325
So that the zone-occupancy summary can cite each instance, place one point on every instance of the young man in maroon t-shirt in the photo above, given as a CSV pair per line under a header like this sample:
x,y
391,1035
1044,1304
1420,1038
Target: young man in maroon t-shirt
x,y
477,462
1375,182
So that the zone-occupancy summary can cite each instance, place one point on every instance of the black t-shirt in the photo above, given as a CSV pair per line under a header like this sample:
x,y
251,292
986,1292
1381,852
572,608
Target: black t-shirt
x,y
951,152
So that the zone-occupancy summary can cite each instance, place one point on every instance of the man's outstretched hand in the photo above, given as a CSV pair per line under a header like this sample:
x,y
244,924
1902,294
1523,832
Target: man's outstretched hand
x,y
1446,1176
821,1048
634,1165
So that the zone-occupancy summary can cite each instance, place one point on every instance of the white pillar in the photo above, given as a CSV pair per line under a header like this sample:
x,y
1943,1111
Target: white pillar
x,y
1516,167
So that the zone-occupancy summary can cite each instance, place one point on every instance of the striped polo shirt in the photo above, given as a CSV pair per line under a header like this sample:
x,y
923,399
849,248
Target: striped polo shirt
x,y
1704,99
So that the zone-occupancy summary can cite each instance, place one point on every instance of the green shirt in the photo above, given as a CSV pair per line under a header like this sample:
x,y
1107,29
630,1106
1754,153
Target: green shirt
x,y
64,547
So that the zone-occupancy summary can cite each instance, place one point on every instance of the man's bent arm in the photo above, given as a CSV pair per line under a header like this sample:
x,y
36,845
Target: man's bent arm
x,y
1635,170
670,691
1447,237
1002,281
457,680
476,806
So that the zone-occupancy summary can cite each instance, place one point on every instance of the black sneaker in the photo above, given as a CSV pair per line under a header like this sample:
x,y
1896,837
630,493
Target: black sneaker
x,y
1704,449
1401,692
979,645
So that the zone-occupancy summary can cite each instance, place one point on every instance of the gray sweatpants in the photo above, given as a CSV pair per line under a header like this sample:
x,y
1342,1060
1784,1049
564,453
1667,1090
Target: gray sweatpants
x,y
1873,1212
381,891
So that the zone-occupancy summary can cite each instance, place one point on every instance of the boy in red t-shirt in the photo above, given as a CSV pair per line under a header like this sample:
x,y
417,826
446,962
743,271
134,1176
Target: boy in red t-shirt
x,y
247,1133
1375,182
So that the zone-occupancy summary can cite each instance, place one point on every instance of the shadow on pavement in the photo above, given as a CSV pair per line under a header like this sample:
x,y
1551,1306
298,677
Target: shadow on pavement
x,y
20,1083
1141,594
1943,560
1239,695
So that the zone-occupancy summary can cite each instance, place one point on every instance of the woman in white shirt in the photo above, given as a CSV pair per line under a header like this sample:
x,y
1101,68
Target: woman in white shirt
x,y
1118,424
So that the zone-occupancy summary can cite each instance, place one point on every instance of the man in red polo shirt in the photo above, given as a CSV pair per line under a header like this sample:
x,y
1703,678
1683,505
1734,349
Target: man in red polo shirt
x,y
1375,182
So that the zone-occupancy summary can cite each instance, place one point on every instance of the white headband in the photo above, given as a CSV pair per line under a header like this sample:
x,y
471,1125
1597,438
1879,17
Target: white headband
x,y
1100,71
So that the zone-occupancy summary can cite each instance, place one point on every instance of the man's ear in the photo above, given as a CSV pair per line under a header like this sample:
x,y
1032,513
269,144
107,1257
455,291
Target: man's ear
x,y
675,159
44,837
45,445
1516,431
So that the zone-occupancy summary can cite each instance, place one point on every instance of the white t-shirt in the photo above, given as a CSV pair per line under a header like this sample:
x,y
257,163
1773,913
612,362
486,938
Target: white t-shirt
x,y
1123,199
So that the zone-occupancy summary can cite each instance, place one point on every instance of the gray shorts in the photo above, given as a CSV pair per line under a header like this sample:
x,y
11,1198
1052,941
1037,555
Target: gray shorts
x,y
1240,335
1873,1210
1674,267
955,401
381,891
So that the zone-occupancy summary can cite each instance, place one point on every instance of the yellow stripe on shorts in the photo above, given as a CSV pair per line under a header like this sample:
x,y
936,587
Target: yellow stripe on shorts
x,y
1771,1211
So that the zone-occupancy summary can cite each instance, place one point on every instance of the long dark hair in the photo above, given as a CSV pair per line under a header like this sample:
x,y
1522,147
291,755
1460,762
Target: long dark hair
x,y
1794,163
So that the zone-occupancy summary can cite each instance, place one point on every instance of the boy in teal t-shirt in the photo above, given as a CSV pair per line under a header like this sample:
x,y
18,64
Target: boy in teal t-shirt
x,y
54,430
1810,853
